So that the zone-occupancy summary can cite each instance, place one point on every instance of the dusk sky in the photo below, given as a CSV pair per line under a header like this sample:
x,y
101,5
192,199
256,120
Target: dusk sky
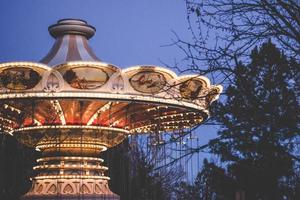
x,y
129,32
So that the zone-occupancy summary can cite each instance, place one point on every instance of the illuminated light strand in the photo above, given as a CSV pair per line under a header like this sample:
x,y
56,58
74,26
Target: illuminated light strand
x,y
176,115
169,116
6,106
182,121
170,122
98,112
71,166
176,127
84,63
47,146
6,120
7,129
72,127
59,110
141,127
148,128
71,177
108,96
25,64
77,144
72,143
156,108
87,141
62,158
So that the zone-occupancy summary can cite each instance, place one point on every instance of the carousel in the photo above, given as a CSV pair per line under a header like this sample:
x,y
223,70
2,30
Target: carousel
x,y
71,106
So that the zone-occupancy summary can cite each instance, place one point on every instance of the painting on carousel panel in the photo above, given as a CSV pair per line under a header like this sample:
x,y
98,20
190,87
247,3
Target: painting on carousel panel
x,y
148,81
19,78
85,78
190,89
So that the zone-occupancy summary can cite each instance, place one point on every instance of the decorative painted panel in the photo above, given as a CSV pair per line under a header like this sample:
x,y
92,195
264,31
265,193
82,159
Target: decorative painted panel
x,y
19,78
190,89
85,77
148,81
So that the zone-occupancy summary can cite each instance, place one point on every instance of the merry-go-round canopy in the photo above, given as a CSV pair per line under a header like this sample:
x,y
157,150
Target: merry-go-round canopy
x,y
71,106
73,89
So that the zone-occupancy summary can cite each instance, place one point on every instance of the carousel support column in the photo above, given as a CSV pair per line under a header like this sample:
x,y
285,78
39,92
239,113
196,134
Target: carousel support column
x,y
61,175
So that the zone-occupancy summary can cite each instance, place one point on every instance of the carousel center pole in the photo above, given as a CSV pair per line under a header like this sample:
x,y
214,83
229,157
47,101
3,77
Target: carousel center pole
x,y
69,169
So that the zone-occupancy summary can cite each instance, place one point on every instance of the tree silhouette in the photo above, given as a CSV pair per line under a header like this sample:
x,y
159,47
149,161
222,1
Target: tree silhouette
x,y
133,176
16,162
224,31
211,183
260,124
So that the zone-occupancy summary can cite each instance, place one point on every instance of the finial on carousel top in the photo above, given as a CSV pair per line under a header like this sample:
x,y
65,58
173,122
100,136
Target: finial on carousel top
x,y
72,27
71,42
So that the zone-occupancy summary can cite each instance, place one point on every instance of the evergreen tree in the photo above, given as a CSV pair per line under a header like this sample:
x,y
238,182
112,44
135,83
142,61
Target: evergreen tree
x,y
260,123
211,183
16,162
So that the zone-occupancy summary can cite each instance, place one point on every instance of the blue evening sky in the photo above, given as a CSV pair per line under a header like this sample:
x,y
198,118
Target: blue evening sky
x,y
129,32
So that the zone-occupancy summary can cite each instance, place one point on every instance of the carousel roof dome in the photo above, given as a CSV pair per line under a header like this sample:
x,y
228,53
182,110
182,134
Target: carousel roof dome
x,y
71,43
